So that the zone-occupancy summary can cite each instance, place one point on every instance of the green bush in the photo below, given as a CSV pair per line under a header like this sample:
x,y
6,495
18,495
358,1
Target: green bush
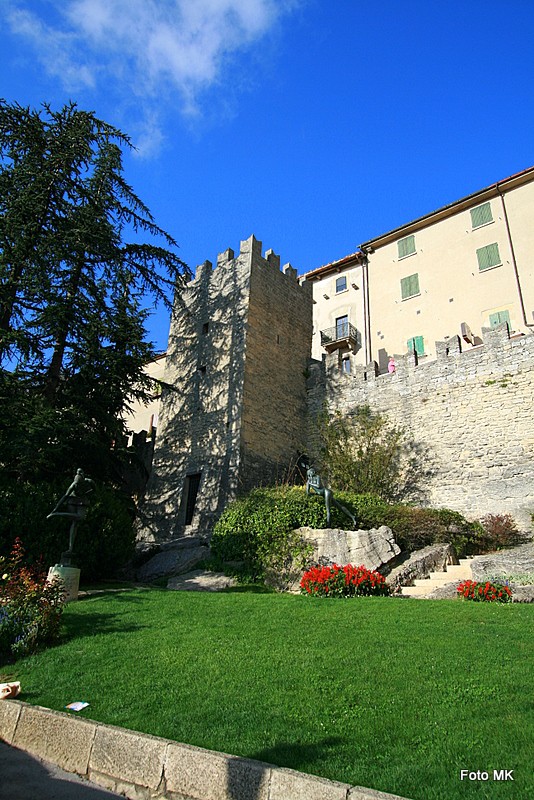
x,y
257,529
362,450
415,527
104,541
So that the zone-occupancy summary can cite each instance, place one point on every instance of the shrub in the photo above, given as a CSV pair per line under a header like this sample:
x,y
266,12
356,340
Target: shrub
x,y
257,528
484,592
348,581
415,528
362,451
499,531
30,607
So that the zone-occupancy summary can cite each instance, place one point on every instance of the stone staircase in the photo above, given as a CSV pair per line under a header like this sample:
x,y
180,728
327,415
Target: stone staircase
x,y
455,573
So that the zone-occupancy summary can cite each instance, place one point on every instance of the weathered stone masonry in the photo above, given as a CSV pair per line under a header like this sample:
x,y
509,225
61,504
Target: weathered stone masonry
x,y
233,415
472,411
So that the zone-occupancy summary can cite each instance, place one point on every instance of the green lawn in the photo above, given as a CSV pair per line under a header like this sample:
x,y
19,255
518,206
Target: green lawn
x,y
393,694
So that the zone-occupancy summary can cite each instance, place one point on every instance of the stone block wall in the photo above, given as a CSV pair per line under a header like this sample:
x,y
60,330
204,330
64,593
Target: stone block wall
x,y
201,404
279,331
234,389
471,412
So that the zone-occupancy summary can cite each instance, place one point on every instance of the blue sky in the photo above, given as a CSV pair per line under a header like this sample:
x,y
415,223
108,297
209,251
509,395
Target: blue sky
x,y
314,124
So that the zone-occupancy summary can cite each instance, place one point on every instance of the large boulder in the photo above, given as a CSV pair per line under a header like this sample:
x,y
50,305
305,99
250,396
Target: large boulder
x,y
173,558
504,563
372,548
411,566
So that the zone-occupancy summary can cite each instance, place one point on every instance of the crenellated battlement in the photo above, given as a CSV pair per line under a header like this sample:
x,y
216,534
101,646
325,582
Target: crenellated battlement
x,y
250,248
499,351
239,344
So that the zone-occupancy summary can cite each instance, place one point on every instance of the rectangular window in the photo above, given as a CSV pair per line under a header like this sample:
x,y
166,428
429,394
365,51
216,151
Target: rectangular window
x,y
192,482
341,284
481,215
410,286
406,246
498,317
488,257
416,343
345,364
342,327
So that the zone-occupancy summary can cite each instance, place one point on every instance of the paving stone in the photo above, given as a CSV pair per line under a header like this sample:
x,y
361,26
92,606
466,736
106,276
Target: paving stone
x,y
9,715
54,736
204,775
132,757
287,784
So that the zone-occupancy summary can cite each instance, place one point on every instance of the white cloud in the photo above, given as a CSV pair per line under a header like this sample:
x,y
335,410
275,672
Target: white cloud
x,y
144,47
54,49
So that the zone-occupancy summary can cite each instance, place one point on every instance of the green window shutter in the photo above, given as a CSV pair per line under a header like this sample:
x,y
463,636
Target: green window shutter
x,y
498,317
416,343
488,257
410,286
406,246
481,215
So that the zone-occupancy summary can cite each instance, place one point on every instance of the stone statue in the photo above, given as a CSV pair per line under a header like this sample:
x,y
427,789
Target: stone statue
x,y
314,485
76,503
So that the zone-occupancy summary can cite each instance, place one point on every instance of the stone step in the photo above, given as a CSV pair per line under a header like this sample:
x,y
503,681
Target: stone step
x,y
413,591
454,573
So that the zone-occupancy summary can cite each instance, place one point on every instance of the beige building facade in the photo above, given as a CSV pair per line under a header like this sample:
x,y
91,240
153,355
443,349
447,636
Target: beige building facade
x,y
455,271
144,416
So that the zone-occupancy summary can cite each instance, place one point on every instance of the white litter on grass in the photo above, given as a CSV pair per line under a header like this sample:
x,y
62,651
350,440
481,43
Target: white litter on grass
x,y
77,706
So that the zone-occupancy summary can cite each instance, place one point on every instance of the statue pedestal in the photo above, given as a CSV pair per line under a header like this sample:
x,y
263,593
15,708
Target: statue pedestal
x,y
69,577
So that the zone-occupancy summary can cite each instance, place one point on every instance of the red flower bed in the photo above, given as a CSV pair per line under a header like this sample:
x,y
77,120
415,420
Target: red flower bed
x,y
484,592
348,581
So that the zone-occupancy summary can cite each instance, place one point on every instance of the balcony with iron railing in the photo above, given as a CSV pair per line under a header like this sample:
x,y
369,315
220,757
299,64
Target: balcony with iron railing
x,y
340,336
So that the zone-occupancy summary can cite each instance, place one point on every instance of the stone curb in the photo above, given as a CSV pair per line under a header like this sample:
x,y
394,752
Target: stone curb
x,y
146,767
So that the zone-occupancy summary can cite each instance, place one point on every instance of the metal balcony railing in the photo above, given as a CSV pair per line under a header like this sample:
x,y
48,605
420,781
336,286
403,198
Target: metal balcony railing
x,y
340,335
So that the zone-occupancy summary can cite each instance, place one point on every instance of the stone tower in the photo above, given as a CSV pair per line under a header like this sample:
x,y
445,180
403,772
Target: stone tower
x,y
233,405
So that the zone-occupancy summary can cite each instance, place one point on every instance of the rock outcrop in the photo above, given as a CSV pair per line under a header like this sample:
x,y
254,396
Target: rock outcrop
x,y
515,561
200,580
372,548
173,558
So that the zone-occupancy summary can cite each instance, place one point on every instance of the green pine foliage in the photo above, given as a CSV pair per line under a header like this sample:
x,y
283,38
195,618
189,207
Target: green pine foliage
x,y
75,282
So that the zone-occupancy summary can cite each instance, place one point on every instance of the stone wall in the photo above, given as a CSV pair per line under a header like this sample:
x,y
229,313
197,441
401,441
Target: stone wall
x,y
201,403
234,389
148,767
471,412
279,331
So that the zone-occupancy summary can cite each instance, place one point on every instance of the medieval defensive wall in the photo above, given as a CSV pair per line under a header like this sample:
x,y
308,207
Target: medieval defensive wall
x,y
470,411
